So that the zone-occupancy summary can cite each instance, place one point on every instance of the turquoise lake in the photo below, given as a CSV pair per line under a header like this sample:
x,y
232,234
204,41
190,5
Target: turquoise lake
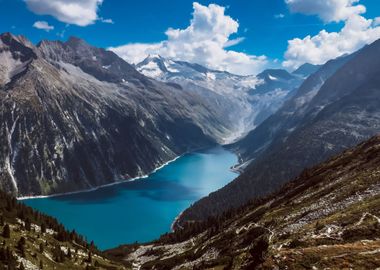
x,y
144,209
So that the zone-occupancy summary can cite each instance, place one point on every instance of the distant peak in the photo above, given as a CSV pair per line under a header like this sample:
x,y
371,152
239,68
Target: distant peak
x,y
151,56
46,42
154,58
277,73
306,69
8,38
75,41
7,35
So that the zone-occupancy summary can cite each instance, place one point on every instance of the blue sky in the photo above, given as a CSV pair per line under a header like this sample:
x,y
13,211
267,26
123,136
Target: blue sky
x,y
145,21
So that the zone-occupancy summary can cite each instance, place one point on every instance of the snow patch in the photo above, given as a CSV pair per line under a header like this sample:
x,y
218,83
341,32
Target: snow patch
x,y
211,76
272,78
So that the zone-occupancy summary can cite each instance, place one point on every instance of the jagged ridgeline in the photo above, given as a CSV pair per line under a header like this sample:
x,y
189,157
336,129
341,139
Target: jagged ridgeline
x,y
245,101
326,218
75,117
31,240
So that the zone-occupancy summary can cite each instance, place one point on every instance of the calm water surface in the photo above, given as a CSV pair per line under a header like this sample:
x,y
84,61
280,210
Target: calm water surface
x,y
143,209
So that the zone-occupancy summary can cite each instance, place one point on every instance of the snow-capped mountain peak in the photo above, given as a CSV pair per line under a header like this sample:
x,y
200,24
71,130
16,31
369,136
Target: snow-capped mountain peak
x,y
245,100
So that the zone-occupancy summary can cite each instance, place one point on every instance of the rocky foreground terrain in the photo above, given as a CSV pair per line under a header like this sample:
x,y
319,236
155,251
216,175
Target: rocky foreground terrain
x,y
326,218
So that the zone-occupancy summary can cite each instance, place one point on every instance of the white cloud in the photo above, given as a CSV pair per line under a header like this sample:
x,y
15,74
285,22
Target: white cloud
x,y
204,42
233,42
279,16
110,21
136,52
327,10
376,21
78,12
43,26
356,32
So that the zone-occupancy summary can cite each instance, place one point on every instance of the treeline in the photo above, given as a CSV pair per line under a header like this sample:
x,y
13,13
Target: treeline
x,y
11,210
213,225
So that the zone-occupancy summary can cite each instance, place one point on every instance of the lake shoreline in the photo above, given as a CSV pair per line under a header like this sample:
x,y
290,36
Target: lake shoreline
x,y
177,218
141,210
22,198
101,186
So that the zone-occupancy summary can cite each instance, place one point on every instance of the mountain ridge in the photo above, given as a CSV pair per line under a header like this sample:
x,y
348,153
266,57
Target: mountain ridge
x,y
69,123
245,101
331,121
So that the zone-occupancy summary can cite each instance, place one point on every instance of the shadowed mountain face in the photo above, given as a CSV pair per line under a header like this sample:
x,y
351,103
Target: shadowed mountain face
x,y
327,115
76,117
245,101
326,218
306,70
288,117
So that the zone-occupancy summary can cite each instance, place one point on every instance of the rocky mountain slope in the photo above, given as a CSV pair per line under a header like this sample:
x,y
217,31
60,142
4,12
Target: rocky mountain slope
x,y
326,218
342,112
75,117
33,241
245,101
288,117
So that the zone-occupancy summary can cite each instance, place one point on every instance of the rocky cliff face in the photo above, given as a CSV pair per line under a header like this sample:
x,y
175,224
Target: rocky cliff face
x,y
328,118
326,218
76,117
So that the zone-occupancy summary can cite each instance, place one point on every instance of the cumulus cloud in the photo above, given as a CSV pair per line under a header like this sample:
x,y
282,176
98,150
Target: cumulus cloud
x,y
78,12
327,10
356,32
43,26
204,41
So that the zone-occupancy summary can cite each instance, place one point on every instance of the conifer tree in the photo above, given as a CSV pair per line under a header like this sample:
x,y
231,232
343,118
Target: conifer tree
x,y
28,224
43,228
21,246
6,231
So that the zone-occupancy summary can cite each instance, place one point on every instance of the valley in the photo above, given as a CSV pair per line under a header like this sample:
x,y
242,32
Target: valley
x,y
325,218
157,199
128,146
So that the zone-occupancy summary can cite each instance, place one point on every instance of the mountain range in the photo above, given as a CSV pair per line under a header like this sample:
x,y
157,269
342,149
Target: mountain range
x,y
76,117
245,101
336,108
